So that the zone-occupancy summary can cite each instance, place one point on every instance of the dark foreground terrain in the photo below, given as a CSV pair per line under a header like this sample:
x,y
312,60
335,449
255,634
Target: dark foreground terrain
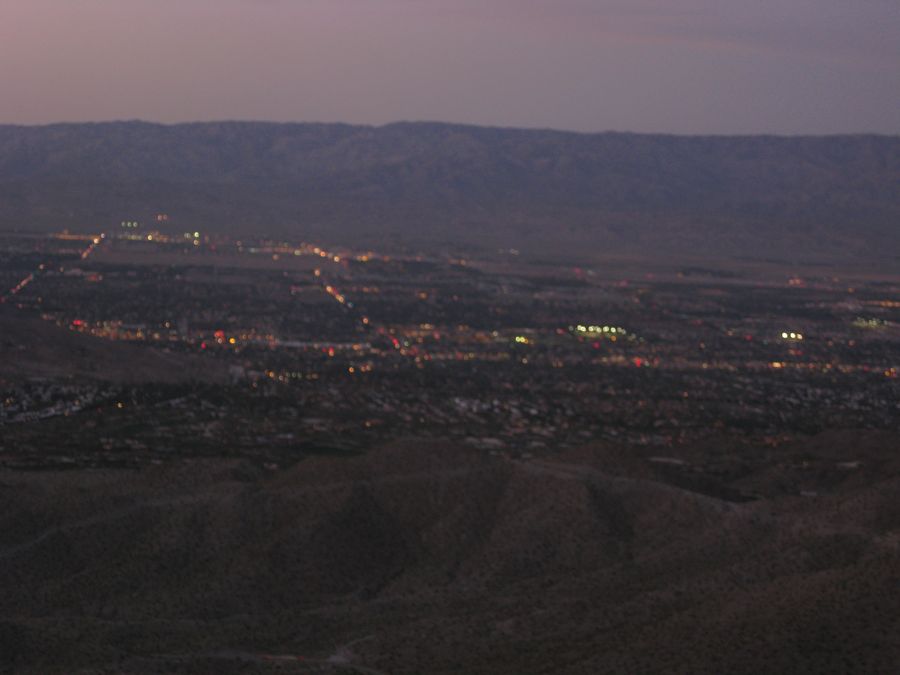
x,y
428,558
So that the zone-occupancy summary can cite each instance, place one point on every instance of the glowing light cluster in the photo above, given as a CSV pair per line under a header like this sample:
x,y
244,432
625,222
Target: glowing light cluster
x,y
609,330
864,322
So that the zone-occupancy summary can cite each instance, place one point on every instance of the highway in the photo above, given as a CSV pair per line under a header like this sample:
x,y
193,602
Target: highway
x,y
15,290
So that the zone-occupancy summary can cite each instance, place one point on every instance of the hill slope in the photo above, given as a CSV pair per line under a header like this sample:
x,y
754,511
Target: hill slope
x,y
32,348
437,182
432,559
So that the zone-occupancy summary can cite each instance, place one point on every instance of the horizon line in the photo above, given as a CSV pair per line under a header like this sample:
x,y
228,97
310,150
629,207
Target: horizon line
x,y
426,122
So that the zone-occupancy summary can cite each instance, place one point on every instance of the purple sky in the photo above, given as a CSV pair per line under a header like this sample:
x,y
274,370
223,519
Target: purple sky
x,y
683,66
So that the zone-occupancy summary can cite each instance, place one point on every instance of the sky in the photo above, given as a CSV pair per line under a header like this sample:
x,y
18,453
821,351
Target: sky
x,y
673,66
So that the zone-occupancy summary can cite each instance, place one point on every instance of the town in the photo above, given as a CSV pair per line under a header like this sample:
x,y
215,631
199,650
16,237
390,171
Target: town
x,y
326,349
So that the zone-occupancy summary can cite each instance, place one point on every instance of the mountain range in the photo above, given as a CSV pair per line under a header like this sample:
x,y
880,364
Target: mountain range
x,y
431,183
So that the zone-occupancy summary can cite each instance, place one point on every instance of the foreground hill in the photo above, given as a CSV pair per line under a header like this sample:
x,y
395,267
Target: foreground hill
x,y
436,560
31,348
438,183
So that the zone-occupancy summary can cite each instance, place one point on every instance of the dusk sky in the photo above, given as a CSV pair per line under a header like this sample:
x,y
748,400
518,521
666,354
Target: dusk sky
x,y
682,66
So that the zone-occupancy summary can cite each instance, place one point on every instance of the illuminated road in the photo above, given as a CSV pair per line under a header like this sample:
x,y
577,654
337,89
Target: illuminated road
x,y
18,287
15,290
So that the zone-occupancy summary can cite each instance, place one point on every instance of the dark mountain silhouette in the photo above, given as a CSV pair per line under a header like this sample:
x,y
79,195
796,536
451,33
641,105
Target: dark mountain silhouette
x,y
431,559
428,182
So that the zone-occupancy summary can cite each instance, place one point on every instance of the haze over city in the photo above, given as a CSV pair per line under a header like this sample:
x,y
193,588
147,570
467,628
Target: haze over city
x,y
693,66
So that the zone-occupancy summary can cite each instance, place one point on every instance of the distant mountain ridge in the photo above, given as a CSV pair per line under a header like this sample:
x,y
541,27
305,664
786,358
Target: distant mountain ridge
x,y
837,195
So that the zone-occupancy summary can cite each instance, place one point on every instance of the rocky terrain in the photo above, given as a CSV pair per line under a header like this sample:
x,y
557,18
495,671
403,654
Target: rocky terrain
x,y
426,558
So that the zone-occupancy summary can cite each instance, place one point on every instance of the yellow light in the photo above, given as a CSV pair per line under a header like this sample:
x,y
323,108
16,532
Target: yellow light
x,y
196,235
231,341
